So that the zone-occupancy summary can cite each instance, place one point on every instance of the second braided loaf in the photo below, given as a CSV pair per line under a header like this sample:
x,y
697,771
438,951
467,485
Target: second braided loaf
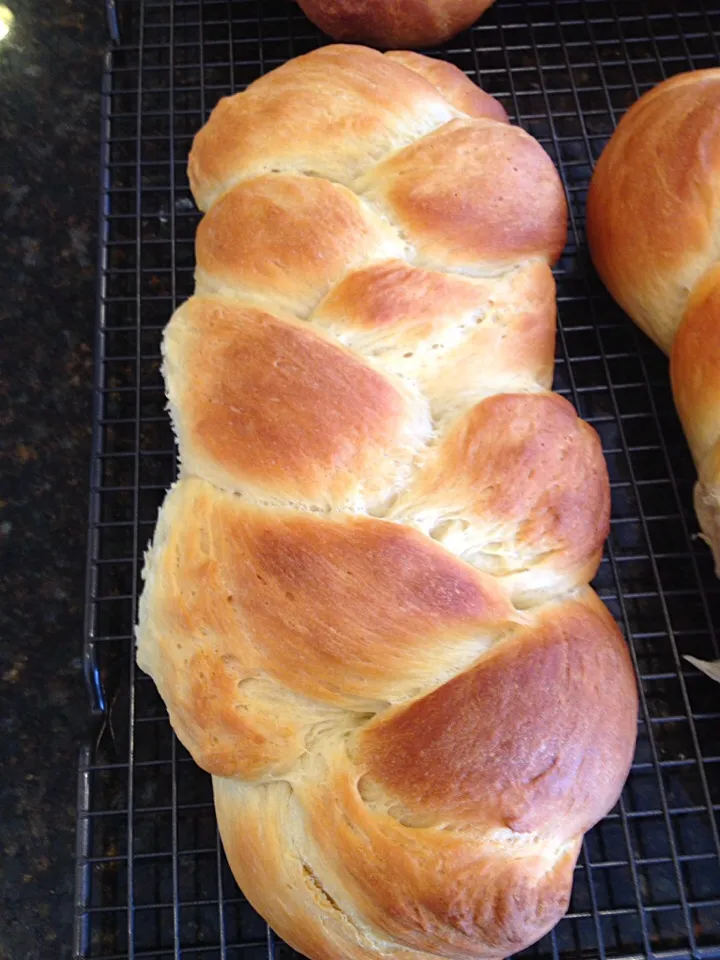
x,y
652,223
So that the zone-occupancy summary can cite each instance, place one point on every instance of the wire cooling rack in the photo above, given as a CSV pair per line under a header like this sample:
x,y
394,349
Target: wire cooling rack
x,y
152,881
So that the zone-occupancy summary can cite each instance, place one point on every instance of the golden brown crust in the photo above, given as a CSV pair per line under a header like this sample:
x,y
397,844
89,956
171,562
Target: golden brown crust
x,y
452,83
388,23
435,890
475,195
326,230
285,595
265,405
398,297
513,346
330,113
383,835
442,330
519,488
558,755
654,200
268,847
359,389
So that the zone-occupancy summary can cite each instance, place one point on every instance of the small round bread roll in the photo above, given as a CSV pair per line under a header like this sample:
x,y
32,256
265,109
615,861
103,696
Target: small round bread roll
x,y
653,209
387,23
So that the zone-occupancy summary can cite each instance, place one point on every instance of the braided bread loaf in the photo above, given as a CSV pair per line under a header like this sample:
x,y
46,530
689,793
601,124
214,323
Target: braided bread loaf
x,y
653,211
366,604
387,23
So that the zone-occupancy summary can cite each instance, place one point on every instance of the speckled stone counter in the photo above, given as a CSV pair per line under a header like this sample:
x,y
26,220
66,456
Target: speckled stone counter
x,y
50,67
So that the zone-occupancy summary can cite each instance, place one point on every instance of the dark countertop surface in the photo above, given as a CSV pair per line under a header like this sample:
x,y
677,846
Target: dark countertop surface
x,y
50,67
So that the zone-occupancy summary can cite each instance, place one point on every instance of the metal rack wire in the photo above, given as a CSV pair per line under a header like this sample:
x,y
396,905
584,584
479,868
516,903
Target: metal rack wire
x,y
152,881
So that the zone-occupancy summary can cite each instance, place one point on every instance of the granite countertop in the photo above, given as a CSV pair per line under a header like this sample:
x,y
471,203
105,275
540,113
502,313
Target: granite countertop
x,y
50,67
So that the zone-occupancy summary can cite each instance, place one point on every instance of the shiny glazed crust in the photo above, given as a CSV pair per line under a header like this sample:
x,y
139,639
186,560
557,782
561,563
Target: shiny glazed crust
x,y
366,602
653,228
390,23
